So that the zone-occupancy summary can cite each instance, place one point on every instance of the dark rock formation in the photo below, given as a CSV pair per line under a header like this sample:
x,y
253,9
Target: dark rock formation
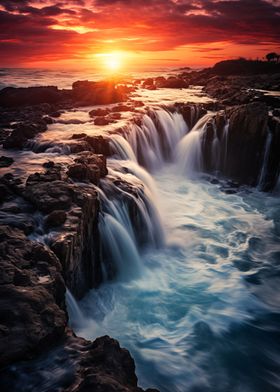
x,y
82,93
75,206
148,83
272,163
245,67
122,108
34,277
97,93
173,82
22,133
248,152
32,296
55,218
76,365
99,112
11,96
191,113
161,82
6,161
101,121
246,140
96,144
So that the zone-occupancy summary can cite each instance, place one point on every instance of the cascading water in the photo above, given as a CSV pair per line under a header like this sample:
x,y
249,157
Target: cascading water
x,y
196,312
153,142
189,150
128,212
262,178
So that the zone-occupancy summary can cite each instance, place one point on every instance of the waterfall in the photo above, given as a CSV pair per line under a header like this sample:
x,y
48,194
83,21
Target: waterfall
x,y
225,145
129,220
75,314
262,178
189,150
122,148
215,150
120,253
134,207
154,141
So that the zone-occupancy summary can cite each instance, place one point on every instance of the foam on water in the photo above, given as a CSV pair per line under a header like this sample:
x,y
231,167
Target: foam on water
x,y
181,318
196,302
202,313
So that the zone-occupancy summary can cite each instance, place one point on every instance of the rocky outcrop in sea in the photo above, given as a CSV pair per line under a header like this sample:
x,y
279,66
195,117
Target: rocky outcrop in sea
x,y
49,233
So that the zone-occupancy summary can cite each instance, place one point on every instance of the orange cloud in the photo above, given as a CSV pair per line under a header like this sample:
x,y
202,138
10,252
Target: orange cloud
x,y
191,32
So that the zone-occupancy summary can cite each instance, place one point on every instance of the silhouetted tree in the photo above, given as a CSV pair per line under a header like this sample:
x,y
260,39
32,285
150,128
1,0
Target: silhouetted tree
x,y
272,56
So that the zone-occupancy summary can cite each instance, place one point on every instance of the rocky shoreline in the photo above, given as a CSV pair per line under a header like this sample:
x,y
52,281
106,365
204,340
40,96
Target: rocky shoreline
x,y
49,221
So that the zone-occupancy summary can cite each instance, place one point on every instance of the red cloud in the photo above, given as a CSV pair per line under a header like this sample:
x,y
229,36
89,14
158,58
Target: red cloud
x,y
27,32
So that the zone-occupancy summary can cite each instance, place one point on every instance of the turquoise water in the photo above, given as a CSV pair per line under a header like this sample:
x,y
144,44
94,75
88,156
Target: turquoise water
x,y
204,313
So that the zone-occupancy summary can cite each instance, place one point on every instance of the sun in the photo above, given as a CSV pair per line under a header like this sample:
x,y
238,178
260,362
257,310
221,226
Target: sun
x,y
112,62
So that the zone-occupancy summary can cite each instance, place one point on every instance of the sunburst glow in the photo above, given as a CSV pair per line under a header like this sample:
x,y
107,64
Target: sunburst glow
x,y
112,61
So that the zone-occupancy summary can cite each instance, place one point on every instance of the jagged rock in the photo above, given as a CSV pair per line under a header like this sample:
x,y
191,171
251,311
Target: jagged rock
x,y
96,144
88,167
244,67
10,187
55,218
93,159
159,81
14,217
78,146
174,82
6,161
85,366
246,140
97,93
33,319
48,120
32,296
78,136
122,108
272,169
115,116
48,196
10,96
101,121
99,112
77,246
84,172
55,114
22,133
99,144
191,113
49,164
148,83
137,104
242,149
5,193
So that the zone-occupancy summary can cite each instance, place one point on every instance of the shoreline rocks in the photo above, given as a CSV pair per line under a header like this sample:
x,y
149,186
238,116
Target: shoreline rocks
x,y
60,204
34,277
241,149
82,93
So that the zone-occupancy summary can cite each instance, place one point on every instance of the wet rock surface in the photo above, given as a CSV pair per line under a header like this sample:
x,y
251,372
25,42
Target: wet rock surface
x,y
251,134
76,365
6,161
49,238
32,296
34,276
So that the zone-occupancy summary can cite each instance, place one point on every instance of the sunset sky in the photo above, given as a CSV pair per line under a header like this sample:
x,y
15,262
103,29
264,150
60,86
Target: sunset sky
x,y
144,33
